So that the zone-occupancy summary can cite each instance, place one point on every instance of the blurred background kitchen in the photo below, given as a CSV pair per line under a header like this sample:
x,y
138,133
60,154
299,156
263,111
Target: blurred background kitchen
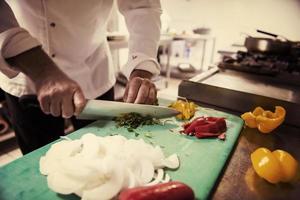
x,y
202,38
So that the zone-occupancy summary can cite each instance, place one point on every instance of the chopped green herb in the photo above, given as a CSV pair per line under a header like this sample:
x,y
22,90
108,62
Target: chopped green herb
x,y
130,129
136,134
133,120
148,135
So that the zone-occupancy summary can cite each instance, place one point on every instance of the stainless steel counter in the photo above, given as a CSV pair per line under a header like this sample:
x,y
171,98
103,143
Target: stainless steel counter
x,y
241,92
251,84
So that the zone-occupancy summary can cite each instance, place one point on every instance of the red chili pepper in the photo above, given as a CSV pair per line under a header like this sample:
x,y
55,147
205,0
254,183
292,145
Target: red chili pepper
x,y
222,124
197,122
220,121
208,128
186,125
212,119
166,191
205,135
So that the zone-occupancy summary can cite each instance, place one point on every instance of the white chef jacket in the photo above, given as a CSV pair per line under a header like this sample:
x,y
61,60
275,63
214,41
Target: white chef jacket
x,y
72,32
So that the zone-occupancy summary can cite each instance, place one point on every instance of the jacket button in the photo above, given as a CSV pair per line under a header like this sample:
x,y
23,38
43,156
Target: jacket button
x,y
52,24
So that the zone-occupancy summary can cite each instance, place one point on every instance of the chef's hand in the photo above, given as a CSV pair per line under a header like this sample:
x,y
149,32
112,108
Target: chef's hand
x,y
58,95
140,88
56,92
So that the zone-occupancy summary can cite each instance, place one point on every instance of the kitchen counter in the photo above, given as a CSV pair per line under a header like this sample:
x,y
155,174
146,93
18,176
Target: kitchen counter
x,y
239,181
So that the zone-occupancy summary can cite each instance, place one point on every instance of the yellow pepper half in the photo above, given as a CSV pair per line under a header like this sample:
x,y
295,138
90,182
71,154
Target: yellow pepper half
x,y
265,120
186,109
277,166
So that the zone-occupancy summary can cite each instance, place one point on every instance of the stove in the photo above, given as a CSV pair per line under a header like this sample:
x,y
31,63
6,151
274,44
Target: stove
x,y
283,68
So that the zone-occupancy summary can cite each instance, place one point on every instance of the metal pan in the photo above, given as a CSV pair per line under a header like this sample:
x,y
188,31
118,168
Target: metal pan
x,y
268,45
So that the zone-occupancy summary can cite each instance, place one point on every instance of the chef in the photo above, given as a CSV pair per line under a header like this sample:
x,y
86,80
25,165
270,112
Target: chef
x,y
57,51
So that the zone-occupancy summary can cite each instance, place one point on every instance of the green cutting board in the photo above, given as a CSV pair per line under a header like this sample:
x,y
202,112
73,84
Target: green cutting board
x,y
201,160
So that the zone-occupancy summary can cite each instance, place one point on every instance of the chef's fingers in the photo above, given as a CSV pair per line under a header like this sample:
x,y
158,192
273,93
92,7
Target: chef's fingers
x,y
152,96
126,93
67,106
79,101
44,101
55,106
133,89
143,92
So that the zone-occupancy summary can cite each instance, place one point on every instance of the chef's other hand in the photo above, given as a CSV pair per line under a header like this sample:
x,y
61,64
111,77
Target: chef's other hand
x,y
140,89
58,95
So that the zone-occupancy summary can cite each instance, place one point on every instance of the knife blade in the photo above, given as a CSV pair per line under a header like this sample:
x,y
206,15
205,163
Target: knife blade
x,y
96,109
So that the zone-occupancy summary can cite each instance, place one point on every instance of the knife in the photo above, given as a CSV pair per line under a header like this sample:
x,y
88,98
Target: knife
x,y
96,109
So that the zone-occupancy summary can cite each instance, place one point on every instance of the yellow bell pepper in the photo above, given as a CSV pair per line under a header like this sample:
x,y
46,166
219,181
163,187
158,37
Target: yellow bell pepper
x,y
288,165
277,166
186,109
266,121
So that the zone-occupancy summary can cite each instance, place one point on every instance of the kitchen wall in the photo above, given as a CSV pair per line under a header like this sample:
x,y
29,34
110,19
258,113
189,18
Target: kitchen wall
x,y
228,18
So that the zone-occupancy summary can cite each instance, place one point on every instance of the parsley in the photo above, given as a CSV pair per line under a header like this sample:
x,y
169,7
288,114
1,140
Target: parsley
x,y
148,135
132,121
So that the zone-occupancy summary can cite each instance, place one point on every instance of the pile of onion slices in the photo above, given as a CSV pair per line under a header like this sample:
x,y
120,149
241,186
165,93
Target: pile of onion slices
x,y
95,167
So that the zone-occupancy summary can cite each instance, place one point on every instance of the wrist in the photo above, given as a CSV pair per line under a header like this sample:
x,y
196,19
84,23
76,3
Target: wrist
x,y
37,65
49,73
140,73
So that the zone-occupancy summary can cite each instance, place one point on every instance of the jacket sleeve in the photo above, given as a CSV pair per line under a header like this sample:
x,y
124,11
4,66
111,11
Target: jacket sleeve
x,y
143,22
14,40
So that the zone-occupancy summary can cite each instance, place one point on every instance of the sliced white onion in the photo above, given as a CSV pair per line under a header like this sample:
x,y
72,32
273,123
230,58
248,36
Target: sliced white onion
x,y
171,162
100,167
64,149
157,157
90,145
110,188
81,168
166,179
48,166
63,184
79,192
58,151
129,179
147,171
158,178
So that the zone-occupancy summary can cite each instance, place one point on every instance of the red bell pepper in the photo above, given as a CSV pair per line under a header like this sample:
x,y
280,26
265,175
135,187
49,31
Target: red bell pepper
x,y
204,127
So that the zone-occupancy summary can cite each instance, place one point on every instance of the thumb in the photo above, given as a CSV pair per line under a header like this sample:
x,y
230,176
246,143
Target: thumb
x,y
79,101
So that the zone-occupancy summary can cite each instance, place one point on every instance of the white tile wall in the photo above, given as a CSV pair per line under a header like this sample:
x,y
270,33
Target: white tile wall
x,y
228,18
